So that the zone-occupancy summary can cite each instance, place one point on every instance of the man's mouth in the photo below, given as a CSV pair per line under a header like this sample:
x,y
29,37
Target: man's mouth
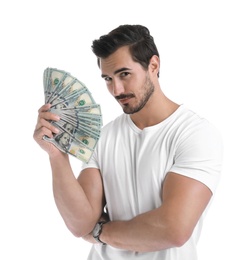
x,y
124,99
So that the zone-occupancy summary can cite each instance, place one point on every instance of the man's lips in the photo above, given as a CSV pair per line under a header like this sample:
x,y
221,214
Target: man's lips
x,y
123,99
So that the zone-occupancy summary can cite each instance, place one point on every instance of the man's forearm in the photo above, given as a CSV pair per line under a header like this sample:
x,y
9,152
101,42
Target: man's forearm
x,y
70,198
145,233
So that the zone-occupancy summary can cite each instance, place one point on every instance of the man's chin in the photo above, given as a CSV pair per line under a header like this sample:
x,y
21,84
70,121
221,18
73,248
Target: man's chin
x,y
130,110
127,110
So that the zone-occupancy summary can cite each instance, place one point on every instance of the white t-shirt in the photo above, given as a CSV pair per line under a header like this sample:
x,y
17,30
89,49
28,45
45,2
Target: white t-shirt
x,y
135,162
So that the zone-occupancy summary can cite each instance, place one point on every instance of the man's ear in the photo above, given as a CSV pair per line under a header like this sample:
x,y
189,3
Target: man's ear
x,y
154,65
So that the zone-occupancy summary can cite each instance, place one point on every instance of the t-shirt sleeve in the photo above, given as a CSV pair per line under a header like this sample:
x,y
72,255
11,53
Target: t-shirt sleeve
x,y
199,155
93,163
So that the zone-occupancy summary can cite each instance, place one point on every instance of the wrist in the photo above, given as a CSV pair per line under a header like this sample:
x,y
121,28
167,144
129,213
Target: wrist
x,y
103,233
57,155
98,231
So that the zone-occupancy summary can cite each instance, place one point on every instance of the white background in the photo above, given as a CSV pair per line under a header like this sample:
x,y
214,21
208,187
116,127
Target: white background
x,y
206,63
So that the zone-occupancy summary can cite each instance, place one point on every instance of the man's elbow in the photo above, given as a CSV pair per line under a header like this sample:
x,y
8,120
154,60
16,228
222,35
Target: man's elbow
x,y
180,240
177,238
79,231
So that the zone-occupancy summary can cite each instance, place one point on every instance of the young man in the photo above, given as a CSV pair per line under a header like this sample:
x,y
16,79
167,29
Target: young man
x,y
154,170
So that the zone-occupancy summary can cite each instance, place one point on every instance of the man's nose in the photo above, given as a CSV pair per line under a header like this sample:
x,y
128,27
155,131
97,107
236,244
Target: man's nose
x,y
118,88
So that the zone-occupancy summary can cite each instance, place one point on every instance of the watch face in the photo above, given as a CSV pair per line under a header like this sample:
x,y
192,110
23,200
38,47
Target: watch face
x,y
96,231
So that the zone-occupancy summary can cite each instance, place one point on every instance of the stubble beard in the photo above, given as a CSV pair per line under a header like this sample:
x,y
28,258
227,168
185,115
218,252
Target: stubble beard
x,y
148,89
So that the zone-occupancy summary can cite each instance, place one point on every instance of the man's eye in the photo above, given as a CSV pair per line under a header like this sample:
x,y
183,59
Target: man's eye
x,y
124,74
107,79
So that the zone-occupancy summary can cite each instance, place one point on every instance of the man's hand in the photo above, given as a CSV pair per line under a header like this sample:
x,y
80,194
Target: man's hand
x,y
44,127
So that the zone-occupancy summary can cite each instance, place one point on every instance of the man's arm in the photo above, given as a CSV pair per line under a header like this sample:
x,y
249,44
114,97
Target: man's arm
x,y
79,201
171,225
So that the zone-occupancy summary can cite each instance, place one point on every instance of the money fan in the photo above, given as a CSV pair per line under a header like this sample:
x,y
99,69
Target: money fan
x,y
80,117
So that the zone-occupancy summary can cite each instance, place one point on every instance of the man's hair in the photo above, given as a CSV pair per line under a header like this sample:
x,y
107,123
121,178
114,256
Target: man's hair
x,y
141,44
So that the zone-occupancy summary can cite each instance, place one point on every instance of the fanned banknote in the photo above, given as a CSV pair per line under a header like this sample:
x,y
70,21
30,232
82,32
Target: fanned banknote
x,y
80,117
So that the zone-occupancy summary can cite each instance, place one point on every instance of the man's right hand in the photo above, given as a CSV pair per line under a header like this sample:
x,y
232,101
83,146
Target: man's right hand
x,y
44,127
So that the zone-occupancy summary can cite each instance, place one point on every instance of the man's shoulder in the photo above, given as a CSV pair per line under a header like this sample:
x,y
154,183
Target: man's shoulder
x,y
188,122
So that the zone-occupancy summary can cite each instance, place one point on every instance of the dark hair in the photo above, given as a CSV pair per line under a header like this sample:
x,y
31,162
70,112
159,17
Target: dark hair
x,y
141,44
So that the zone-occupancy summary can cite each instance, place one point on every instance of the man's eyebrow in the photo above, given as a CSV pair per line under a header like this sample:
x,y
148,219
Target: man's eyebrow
x,y
116,72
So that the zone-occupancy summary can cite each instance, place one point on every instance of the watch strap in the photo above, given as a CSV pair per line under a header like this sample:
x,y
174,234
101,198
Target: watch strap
x,y
97,237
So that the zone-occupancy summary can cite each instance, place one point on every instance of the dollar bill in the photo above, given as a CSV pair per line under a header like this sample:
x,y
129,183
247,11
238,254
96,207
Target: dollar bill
x,y
53,78
80,117
78,129
64,144
90,114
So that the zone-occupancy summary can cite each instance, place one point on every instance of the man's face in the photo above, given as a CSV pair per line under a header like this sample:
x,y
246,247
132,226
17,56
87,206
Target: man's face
x,y
126,80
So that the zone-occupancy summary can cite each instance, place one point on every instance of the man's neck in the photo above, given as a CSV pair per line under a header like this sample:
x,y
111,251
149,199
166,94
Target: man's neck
x,y
155,111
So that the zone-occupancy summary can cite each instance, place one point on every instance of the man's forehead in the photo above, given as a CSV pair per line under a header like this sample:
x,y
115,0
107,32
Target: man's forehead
x,y
116,62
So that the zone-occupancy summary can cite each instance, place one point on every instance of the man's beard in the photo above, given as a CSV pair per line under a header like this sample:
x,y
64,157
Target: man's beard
x,y
148,89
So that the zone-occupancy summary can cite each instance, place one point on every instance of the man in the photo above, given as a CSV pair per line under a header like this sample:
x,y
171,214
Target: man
x,y
155,167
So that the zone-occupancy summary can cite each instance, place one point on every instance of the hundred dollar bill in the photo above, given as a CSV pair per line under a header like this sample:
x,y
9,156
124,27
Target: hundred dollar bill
x,y
78,130
64,144
89,122
80,117
86,137
74,142
84,125
87,114
91,109
52,79
63,85
79,97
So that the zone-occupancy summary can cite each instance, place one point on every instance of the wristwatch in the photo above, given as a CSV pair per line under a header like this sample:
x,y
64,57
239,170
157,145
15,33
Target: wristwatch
x,y
97,231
